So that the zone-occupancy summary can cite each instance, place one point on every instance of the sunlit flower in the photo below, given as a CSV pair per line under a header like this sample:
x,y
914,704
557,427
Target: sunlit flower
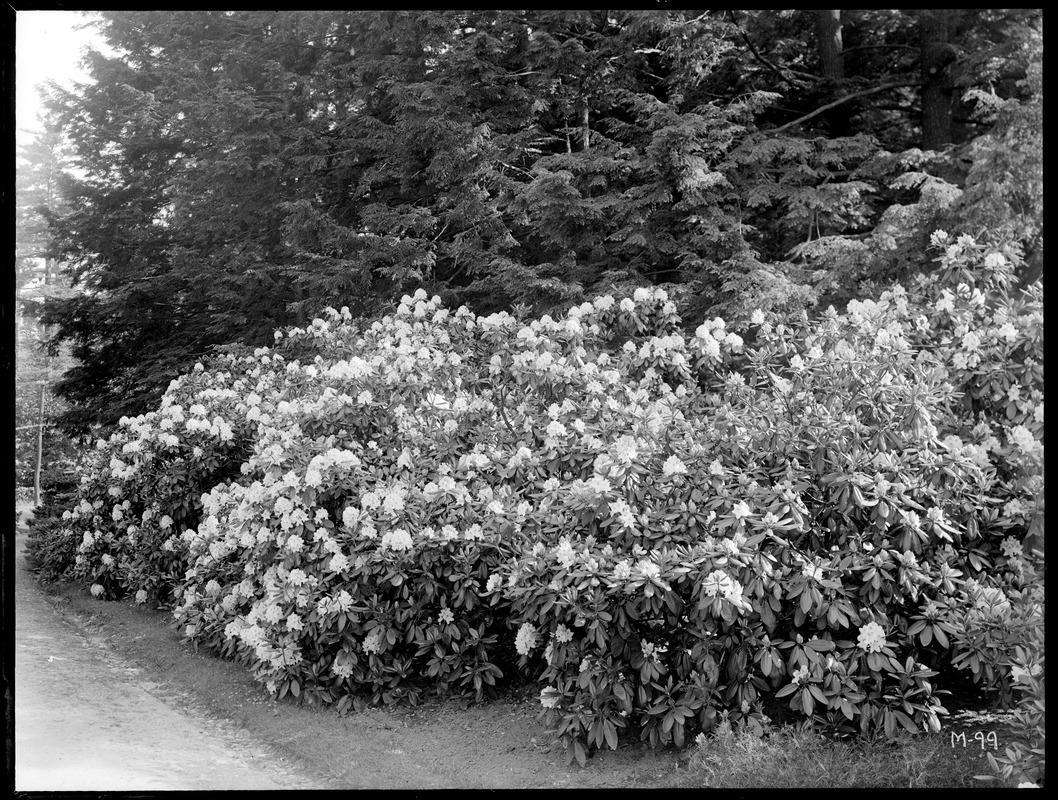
x,y
525,641
446,615
710,346
717,583
652,651
971,342
1011,547
1023,439
297,577
549,697
393,501
625,449
373,641
1022,674
648,569
563,634
344,601
812,571
992,600
564,553
673,466
397,539
871,637
556,430
1014,508
622,570
1007,331
295,544
624,513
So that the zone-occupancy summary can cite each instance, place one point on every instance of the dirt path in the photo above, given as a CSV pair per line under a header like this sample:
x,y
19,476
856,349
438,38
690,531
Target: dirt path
x,y
85,721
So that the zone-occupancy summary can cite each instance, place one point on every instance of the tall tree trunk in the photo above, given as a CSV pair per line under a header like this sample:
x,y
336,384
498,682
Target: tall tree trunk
x,y
40,443
934,33
832,58
585,130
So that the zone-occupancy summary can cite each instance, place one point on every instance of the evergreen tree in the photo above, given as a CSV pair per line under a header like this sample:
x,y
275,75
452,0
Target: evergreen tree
x,y
239,171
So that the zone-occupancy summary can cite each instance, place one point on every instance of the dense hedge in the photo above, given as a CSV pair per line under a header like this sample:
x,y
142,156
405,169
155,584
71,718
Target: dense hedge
x,y
670,526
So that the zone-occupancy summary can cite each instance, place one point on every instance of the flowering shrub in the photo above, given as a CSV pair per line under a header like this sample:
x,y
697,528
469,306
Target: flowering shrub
x,y
140,488
1023,760
660,527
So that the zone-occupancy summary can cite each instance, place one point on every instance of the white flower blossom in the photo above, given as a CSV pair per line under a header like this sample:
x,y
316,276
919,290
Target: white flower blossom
x,y
871,637
673,466
525,641
397,539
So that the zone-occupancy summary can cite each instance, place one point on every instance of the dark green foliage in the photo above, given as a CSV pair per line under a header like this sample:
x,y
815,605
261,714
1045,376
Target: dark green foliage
x,y
240,171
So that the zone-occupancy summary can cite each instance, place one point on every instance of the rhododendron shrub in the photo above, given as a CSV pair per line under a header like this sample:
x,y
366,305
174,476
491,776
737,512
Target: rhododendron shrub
x,y
838,449
353,555
658,525
140,488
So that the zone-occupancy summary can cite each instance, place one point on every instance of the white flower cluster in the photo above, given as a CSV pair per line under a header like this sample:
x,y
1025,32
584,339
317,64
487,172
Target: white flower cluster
x,y
397,539
526,639
871,637
719,584
373,641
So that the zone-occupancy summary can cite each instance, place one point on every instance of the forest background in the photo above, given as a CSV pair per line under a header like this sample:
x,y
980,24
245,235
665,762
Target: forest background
x,y
224,174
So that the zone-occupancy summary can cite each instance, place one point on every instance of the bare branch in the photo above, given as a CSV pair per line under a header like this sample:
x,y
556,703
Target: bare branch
x,y
881,47
845,99
783,75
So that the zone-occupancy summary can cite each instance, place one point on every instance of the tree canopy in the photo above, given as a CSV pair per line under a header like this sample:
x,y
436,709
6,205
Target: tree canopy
x,y
239,171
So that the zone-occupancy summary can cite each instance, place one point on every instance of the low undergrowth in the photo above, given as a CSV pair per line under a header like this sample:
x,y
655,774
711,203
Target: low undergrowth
x,y
792,757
